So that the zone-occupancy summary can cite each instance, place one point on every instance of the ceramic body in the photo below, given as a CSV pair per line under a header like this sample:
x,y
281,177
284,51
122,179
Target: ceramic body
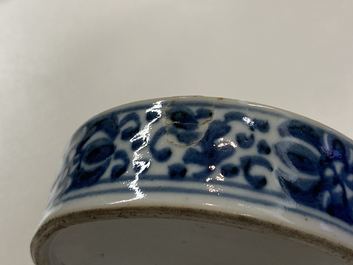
x,y
232,166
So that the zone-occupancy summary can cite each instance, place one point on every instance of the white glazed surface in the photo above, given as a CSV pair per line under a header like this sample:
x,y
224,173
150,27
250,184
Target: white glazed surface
x,y
63,62
270,203
175,242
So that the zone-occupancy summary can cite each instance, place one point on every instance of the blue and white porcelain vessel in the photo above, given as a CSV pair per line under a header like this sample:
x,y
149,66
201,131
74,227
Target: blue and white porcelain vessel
x,y
194,180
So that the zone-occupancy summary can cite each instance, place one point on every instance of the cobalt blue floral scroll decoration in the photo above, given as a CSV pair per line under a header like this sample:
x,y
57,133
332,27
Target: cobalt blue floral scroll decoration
x,y
251,149
317,170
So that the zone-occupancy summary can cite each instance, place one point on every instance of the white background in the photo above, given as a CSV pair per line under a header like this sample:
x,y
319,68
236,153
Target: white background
x,y
63,61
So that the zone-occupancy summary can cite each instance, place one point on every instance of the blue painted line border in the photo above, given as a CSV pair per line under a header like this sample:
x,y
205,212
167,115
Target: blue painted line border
x,y
189,179
224,195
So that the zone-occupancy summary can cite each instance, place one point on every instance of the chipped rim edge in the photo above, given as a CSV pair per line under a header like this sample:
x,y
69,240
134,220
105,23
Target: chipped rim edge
x,y
225,100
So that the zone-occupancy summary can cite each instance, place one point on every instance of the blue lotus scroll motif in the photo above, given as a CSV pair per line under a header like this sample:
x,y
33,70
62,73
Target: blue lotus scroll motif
x,y
317,169
313,166
210,154
93,149
218,154
212,149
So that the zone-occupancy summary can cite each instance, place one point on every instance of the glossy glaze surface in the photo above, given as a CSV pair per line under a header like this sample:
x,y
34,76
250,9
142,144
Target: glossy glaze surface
x,y
216,145
209,153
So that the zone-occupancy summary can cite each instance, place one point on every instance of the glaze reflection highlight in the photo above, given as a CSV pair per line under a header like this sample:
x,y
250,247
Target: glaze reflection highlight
x,y
227,148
